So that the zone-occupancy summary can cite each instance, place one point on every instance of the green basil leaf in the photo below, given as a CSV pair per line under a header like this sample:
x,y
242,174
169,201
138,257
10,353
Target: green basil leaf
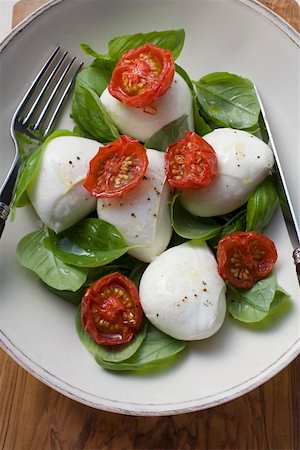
x,y
94,77
82,133
185,76
200,126
136,273
126,264
169,39
89,243
26,173
233,224
89,114
168,134
261,205
70,296
93,275
110,353
189,226
157,351
280,302
228,100
33,255
252,305
104,60
26,145
262,131
243,311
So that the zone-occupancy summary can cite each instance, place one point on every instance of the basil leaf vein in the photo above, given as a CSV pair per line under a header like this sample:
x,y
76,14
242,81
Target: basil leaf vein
x,y
33,255
89,243
228,100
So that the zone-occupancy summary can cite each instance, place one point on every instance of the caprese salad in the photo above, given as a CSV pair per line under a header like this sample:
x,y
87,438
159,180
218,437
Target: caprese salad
x,y
154,205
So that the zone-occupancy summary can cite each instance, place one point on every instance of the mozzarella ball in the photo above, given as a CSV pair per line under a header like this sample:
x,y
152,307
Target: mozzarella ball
x,y
142,215
142,123
182,293
243,162
57,192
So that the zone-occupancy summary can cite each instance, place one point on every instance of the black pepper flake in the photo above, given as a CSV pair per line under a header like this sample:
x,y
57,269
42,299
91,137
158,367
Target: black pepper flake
x,y
154,215
145,178
195,295
70,162
157,315
133,215
78,158
148,199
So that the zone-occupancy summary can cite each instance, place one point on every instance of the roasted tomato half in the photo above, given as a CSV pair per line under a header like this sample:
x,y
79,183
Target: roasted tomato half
x,y
191,162
117,168
142,75
111,312
245,257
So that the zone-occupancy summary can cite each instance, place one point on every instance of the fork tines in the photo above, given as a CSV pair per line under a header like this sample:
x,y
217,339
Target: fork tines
x,y
45,98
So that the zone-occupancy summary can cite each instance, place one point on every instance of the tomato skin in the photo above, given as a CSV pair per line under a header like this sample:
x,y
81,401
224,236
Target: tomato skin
x,y
191,162
142,75
111,312
245,257
117,168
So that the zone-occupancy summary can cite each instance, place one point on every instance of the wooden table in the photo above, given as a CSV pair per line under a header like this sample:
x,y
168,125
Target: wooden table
x,y
35,417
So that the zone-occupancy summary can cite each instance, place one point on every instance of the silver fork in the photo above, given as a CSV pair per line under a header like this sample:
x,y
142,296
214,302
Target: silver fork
x,y
38,112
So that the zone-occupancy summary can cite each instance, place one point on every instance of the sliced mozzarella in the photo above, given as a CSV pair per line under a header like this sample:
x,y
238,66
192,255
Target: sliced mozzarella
x,y
142,124
182,293
142,215
57,192
243,162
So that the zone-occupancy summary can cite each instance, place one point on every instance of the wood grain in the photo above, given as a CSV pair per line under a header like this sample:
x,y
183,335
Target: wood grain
x,y
287,9
24,8
35,417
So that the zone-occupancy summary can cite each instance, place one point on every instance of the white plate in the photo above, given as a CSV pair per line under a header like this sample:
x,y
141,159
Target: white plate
x,y
37,328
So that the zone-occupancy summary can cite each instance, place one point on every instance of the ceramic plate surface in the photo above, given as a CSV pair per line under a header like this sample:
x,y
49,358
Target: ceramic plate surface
x,y
37,328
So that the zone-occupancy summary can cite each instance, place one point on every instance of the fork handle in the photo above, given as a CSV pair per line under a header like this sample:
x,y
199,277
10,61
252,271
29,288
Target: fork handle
x,y
296,256
4,212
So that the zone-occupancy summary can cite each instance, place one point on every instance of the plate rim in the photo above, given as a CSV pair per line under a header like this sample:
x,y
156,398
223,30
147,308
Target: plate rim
x,y
161,409
148,409
256,5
